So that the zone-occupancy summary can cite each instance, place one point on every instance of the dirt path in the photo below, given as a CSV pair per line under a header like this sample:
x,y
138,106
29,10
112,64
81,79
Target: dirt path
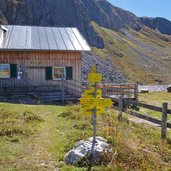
x,y
142,121
36,152
39,157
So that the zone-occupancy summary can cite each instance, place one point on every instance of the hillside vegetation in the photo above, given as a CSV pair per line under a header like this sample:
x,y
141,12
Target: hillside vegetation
x,y
38,137
143,56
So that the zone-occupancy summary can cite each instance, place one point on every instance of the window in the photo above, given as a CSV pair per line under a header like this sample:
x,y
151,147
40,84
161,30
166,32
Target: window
x,y
4,71
59,73
69,72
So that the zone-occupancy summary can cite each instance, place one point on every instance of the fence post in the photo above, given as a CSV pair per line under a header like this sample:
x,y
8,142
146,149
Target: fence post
x,y
120,90
104,90
136,92
63,92
164,121
120,108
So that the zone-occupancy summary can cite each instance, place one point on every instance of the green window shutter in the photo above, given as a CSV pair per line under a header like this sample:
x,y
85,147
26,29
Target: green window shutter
x,y
13,71
69,73
48,72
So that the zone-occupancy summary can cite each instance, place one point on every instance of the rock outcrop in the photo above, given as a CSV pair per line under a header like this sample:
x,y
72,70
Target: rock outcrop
x,y
111,17
159,24
80,154
65,13
76,13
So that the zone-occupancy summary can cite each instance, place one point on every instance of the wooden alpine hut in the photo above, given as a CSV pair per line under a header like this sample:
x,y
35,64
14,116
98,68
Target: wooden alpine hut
x,y
41,59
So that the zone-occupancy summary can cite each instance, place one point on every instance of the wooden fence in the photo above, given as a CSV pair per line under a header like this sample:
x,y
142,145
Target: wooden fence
x,y
124,103
127,90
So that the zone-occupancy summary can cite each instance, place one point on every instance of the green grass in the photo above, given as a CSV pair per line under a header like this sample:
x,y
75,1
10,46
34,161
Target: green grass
x,y
156,99
49,132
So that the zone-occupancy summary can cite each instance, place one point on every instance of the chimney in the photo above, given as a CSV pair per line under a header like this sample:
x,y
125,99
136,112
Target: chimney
x,y
3,30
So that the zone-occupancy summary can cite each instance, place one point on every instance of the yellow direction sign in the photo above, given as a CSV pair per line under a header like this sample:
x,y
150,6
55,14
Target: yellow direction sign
x,y
86,101
90,110
90,93
92,102
94,78
103,102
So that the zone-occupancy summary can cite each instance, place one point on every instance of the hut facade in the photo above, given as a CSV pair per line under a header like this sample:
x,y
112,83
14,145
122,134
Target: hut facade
x,y
39,59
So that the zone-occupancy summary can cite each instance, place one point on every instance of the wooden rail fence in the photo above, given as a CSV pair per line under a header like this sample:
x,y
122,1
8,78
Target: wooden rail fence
x,y
123,103
127,90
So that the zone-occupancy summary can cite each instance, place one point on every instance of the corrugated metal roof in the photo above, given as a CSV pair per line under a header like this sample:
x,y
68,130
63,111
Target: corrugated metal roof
x,y
43,38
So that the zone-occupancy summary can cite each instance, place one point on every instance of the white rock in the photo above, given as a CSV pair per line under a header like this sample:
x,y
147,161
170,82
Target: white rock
x,y
83,149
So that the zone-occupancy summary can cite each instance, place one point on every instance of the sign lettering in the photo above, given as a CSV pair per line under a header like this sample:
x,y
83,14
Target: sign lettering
x,y
89,102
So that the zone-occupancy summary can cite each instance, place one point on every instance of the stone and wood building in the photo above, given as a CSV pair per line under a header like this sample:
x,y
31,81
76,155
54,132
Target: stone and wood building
x,y
41,59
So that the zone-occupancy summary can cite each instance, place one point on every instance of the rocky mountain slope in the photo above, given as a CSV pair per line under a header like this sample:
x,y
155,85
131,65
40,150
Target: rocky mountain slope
x,y
143,56
159,24
139,47
105,66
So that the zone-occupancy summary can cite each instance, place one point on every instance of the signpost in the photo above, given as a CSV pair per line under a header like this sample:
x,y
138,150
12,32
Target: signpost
x,y
92,103
90,93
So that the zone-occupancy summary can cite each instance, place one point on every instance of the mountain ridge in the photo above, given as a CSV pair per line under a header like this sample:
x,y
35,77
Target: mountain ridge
x,y
77,13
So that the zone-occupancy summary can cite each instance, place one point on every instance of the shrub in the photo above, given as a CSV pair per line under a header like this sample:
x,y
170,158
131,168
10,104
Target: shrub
x,y
29,116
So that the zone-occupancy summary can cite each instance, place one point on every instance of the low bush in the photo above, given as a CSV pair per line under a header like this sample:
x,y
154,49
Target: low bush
x,y
13,123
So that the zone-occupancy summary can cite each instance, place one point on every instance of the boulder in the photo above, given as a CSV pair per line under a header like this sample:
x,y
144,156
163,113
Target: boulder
x,y
82,151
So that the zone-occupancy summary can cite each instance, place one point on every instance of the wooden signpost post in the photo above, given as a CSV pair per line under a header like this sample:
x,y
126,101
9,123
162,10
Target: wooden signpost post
x,y
92,103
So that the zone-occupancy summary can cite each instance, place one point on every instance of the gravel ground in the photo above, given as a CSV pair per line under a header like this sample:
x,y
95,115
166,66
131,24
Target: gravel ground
x,y
153,88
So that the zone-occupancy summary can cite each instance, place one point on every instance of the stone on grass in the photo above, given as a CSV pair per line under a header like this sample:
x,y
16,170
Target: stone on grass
x,y
82,151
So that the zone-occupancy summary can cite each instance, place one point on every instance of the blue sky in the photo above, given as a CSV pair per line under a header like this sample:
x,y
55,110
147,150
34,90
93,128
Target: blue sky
x,y
150,8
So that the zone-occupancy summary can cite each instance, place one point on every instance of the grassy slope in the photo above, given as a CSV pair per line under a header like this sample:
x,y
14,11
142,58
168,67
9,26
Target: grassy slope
x,y
49,134
156,100
130,55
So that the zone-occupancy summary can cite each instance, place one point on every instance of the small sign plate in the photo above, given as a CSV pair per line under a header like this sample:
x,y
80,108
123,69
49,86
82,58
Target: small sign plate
x,y
90,93
89,102
94,77
90,110
96,102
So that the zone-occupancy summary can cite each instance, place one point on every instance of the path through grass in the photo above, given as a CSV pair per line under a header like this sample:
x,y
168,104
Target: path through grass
x,y
45,134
